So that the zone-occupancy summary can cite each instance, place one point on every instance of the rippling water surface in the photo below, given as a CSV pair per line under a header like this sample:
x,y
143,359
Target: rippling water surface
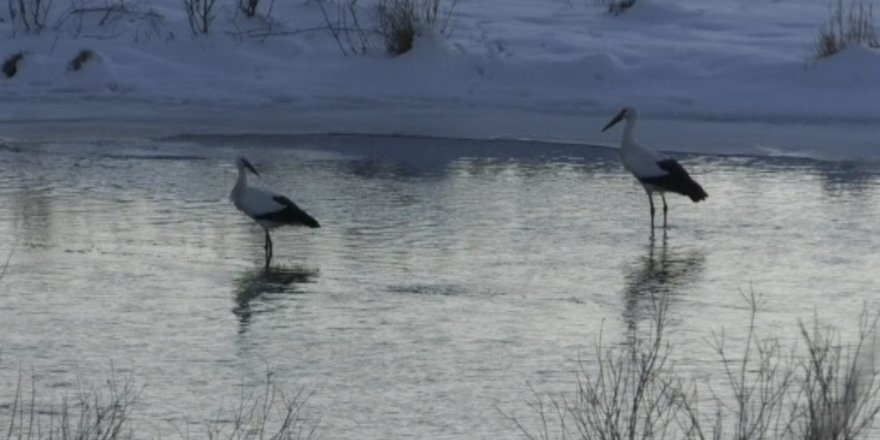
x,y
448,279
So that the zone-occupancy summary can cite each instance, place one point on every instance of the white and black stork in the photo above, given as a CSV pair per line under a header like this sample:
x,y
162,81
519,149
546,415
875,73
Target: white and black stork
x,y
268,209
655,171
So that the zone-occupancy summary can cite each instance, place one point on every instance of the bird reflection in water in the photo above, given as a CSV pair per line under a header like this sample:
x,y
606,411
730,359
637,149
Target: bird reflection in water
x,y
654,279
257,289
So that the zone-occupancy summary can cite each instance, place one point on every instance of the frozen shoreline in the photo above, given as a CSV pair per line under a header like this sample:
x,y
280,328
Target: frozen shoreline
x,y
101,121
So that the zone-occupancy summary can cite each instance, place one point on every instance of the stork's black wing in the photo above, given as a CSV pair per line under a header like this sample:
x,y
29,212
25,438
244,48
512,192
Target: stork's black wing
x,y
676,180
290,214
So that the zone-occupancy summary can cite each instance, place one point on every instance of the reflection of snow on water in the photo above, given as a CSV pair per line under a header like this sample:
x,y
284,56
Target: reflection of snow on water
x,y
447,276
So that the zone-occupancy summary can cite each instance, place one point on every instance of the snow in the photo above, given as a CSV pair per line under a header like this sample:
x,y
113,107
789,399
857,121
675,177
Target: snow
x,y
712,76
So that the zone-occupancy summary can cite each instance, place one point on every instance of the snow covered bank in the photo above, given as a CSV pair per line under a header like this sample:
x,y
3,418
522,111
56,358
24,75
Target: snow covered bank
x,y
733,76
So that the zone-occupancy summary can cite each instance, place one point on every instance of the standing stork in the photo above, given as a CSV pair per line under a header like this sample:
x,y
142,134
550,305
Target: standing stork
x,y
268,209
655,171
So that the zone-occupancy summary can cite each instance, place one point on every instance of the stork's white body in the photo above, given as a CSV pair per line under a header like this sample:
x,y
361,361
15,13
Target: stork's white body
x,y
655,171
253,201
642,162
268,209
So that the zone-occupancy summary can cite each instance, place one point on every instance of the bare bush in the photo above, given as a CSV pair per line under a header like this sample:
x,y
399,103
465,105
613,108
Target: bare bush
x,y
397,24
828,393
633,390
831,392
107,18
400,21
248,7
29,15
341,19
839,387
617,7
200,14
266,413
93,414
108,413
847,27
397,20
630,392
350,36
10,65
80,60
759,379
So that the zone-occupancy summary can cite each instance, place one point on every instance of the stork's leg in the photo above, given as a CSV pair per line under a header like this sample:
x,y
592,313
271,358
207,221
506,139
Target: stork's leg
x,y
665,208
268,249
651,202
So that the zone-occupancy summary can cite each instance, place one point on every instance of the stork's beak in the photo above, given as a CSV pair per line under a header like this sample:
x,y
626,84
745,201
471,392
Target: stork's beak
x,y
616,119
250,167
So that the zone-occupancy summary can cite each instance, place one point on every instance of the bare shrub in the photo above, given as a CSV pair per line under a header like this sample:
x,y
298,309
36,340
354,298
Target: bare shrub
x,y
341,19
108,413
10,64
29,15
759,379
264,413
830,392
248,7
397,20
200,14
108,16
400,21
631,392
350,36
838,389
397,24
617,7
80,60
93,414
847,27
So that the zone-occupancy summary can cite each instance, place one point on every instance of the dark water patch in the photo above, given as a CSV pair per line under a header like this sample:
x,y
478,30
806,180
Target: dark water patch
x,y
429,289
168,157
405,148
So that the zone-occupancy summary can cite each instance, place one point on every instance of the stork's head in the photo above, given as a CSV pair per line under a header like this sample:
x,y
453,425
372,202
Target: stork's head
x,y
628,113
243,163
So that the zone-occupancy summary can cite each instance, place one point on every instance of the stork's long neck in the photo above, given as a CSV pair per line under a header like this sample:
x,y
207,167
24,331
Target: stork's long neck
x,y
241,183
628,136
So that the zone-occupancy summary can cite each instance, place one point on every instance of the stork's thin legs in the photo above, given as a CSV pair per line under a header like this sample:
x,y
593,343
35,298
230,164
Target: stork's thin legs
x,y
651,202
268,249
665,208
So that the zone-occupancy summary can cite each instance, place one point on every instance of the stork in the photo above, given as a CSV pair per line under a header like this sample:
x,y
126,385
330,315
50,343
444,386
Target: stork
x,y
655,171
268,209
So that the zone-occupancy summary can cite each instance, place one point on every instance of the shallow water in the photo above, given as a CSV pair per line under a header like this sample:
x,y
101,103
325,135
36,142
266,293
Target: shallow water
x,y
448,279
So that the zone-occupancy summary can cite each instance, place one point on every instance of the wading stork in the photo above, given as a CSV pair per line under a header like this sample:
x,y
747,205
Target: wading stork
x,y
268,209
655,171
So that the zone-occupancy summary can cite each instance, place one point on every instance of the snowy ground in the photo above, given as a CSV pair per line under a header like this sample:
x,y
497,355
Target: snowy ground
x,y
728,76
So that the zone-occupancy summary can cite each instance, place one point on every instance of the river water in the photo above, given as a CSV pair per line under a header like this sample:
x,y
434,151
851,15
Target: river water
x,y
448,280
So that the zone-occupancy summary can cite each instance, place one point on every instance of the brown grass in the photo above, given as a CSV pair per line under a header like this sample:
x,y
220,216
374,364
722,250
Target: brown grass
x,y
401,21
848,26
